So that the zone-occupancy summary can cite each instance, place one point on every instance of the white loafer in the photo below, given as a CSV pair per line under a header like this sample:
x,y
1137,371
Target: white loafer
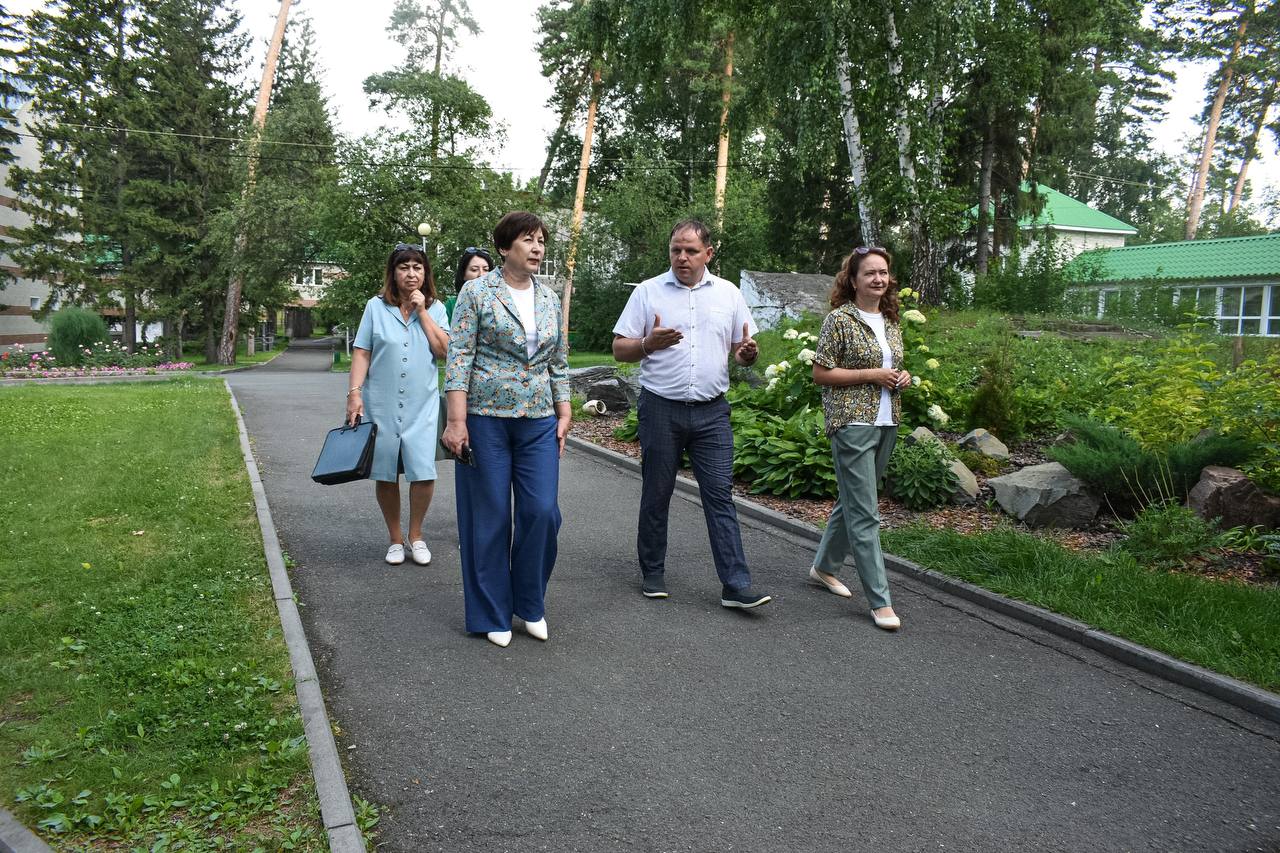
x,y
395,554
888,623
832,585
499,638
421,553
537,630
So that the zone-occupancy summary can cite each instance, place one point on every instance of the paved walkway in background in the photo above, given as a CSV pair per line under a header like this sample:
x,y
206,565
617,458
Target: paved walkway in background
x,y
678,725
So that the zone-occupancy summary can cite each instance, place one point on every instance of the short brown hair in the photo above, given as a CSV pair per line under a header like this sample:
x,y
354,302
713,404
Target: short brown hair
x,y
697,226
401,253
842,291
515,225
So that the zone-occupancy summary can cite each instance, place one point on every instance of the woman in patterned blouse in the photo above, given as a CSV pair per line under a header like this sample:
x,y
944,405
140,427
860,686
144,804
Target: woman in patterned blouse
x,y
859,366
507,384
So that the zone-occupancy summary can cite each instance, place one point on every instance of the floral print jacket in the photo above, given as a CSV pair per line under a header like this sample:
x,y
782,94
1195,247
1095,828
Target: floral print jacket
x,y
847,342
488,357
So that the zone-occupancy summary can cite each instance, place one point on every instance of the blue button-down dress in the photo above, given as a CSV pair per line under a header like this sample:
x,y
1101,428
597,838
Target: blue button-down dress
x,y
402,390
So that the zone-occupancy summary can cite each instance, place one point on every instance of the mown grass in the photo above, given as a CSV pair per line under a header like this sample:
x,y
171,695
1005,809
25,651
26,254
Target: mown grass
x,y
1228,627
146,691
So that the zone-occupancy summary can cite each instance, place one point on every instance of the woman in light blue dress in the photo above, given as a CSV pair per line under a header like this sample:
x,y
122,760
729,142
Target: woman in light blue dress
x,y
394,382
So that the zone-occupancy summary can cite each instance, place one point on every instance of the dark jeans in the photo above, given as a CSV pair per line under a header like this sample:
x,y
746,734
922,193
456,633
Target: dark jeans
x,y
667,428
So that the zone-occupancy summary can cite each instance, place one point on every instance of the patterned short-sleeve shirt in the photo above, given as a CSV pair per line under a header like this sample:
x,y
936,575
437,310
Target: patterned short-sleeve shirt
x,y
849,343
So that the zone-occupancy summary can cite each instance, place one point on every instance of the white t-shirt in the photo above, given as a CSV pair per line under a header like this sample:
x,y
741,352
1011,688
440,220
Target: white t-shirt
x,y
523,300
884,417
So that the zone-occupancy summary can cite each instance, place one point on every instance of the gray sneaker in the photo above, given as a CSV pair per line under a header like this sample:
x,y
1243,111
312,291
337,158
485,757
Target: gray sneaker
x,y
744,598
654,586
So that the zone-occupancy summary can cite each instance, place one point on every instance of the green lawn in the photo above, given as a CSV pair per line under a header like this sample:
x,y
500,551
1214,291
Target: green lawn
x,y
195,352
1228,627
146,692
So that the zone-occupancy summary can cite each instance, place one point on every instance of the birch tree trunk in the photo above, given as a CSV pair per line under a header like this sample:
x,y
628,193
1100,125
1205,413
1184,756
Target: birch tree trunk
x,y
566,114
984,200
1195,200
722,151
231,315
579,200
1251,144
857,156
435,107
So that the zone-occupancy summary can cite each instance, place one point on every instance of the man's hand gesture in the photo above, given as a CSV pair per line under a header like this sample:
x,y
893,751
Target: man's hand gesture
x,y
661,337
748,351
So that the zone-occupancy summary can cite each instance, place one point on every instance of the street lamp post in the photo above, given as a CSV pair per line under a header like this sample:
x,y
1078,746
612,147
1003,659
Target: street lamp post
x,y
424,229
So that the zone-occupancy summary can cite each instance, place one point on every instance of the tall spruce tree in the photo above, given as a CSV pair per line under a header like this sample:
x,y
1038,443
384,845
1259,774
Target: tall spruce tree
x,y
80,60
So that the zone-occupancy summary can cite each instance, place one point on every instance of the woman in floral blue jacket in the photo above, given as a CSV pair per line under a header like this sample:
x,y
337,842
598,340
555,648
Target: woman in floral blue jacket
x,y
507,385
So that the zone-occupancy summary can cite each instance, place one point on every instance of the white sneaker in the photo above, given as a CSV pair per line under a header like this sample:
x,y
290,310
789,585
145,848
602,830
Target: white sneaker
x,y
421,553
499,638
395,554
537,630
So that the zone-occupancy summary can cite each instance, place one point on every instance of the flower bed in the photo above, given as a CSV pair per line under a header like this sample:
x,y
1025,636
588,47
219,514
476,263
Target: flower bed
x,y
103,359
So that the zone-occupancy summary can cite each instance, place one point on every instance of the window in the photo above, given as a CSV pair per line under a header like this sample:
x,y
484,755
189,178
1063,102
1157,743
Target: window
x,y
1240,310
307,278
35,303
548,267
1273,324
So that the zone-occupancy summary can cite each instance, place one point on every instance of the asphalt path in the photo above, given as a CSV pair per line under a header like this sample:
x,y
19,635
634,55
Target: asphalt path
x,y
678,725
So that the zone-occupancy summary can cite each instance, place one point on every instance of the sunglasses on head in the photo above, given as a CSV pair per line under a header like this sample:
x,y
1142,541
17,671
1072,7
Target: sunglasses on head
x,y
400,247
866,250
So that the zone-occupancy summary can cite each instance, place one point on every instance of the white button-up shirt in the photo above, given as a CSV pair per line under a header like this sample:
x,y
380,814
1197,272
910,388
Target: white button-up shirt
x,y
709,315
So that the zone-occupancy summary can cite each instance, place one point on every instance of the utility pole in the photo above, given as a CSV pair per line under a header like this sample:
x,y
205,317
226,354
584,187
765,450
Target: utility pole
x,y
231,316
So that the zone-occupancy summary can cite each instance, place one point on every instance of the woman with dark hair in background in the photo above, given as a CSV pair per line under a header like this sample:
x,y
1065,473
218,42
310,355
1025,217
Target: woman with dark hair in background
x,y
474,263
859,366
394,381
507,383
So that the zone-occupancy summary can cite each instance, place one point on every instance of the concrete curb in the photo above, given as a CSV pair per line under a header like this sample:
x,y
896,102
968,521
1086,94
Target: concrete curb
x,y
16,838
331,785
1230,690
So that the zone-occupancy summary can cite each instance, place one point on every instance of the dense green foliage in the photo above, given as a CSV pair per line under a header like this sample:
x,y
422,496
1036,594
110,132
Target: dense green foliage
x,y
1167,534
919,475
72,330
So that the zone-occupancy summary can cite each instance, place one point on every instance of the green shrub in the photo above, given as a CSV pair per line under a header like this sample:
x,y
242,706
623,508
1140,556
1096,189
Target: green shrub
x,y
71,330
919,475
1128,476
979,463
994,406
629,431
1167,534
789,457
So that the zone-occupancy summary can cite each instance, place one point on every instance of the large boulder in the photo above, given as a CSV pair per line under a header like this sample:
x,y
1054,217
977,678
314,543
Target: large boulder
x,y
985,443
606,384
1228,495
1045,495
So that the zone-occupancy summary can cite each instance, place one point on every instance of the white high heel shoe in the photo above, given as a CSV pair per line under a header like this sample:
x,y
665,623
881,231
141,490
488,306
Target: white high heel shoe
x,y
499,638
537,630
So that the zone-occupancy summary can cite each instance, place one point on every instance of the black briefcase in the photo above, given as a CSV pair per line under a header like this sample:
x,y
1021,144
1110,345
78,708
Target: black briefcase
x,y
347,454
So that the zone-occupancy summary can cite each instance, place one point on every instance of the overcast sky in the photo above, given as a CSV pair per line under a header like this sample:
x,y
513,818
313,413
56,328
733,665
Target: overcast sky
x,y
502,65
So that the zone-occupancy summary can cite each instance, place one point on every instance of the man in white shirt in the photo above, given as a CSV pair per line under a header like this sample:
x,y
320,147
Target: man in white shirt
x,y
682,326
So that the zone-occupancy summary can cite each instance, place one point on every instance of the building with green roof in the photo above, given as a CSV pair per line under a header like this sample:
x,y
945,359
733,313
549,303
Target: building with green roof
x,y
1074,226
1233,281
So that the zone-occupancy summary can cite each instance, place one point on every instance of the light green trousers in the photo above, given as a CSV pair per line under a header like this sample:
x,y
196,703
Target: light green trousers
x,y
861,454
